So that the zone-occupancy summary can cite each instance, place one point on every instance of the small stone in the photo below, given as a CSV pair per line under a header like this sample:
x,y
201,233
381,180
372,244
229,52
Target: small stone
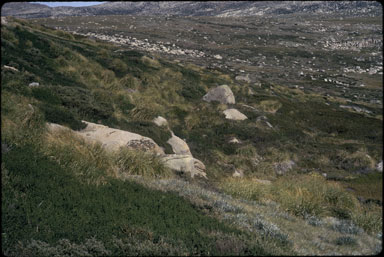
x,y
34,84
160,121
234,114
379,166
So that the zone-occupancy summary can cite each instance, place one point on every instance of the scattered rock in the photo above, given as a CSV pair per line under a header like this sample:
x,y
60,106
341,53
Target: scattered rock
x,y
262,181
160,121
234,140
5,148
10,67
4,21
179,146
243,78
223,94
238,174
379,166
218,57
185,163
263,121
283,167
355,108
34,84
234,114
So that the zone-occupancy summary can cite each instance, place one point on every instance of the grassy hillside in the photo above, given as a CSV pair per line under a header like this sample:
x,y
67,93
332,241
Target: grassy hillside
x,y
63,196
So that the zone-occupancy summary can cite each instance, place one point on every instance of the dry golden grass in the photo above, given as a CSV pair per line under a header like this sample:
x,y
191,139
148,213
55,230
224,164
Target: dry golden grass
x,y
89,161
150,62
270,106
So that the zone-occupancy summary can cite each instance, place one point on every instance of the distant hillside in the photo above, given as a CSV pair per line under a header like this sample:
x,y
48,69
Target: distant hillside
x,y
226,8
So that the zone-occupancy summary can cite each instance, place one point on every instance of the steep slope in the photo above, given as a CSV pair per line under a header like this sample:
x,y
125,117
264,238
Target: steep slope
x,y
53,76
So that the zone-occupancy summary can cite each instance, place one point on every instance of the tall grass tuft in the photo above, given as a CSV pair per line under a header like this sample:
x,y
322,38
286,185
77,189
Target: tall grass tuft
x,y
244,188
140,163
313,195
88,161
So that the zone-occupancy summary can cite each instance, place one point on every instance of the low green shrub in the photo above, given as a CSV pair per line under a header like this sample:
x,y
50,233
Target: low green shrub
x,y
47,203
60,115
46,95
346,240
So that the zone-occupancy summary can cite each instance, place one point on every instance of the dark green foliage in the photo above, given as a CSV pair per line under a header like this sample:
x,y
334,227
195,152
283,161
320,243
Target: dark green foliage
x,y
124,103
44,202
46,95
14,83
346,240
192,92
60,115
39,59
82,102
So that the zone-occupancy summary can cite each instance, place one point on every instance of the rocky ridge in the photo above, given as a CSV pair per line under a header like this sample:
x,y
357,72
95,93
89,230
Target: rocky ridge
x,y
209,8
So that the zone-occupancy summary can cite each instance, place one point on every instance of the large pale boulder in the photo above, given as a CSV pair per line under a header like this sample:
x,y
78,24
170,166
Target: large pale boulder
x,y
223,94
234,114
179,146
185,164
112,139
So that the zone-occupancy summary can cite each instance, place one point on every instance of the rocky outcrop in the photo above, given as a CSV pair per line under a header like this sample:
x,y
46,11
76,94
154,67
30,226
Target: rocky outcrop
x,y
222,94
112,139
185,163
179,146
234,114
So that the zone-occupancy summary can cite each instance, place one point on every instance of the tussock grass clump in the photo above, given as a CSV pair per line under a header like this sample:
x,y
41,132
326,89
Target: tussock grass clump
x,y
357,161
244,188
369,217
88,161
150,62
21,122
141,163
270,106
305,195
313,195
